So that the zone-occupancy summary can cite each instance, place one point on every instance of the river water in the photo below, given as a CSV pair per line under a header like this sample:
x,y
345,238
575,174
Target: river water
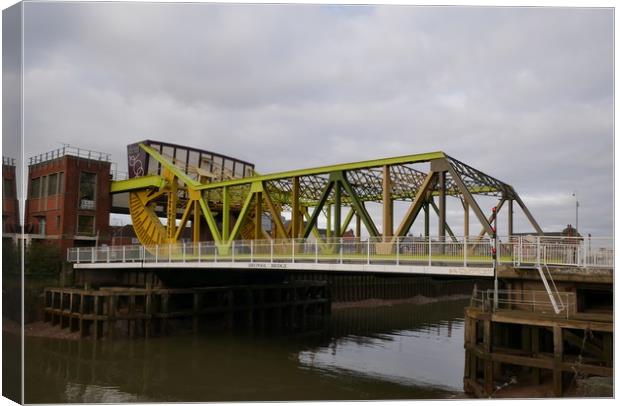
x,y
393,352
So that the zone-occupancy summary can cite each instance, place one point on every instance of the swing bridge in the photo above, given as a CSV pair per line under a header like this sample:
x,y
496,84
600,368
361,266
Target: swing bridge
x,y
224,205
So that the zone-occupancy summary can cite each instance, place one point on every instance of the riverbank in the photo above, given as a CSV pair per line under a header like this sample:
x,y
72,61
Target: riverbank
x,y
39,329
418,300
42,329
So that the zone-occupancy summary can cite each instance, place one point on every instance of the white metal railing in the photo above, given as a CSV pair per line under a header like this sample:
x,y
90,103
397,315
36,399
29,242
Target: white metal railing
x,y
472,251
69,150
537,301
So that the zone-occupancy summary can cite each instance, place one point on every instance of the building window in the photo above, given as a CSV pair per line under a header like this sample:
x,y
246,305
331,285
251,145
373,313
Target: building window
x,y
61,182
87,190
86,224
7,189
35,188
42,225
58,223
52,184
43,191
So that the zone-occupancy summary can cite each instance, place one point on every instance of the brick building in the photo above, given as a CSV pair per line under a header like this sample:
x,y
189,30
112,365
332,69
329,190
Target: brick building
x,y
10,205
68,200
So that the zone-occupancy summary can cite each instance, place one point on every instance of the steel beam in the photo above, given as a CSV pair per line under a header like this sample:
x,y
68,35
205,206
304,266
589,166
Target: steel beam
x,y
275,214
446,226
225,213
296,222
442,206
388,205
337,210
510,220
465,219
138,183
258,215
243,213
470,200
196,222
184,217
407,159
347,221
415,206
427,225
528,214
357,203
317,210
492,216
206,212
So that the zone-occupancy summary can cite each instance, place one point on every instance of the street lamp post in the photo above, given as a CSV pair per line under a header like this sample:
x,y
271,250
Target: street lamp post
x,y
576,213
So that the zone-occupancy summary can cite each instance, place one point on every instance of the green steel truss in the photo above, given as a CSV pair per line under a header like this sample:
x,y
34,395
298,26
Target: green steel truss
x,y
233,209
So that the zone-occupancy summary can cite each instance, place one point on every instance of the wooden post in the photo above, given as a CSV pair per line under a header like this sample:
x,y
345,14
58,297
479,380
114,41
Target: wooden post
x,y
535,350
132,315
558,351
96,313
112,303
165,298
81,323
148,310
488,364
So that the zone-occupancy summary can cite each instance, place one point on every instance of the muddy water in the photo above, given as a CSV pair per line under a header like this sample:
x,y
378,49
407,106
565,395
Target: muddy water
x,y
405,351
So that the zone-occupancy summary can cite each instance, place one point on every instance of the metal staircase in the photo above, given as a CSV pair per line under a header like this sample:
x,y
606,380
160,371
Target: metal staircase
x,y
551,288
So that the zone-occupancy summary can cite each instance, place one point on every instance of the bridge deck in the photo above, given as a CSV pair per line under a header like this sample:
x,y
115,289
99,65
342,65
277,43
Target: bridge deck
x,y
466,257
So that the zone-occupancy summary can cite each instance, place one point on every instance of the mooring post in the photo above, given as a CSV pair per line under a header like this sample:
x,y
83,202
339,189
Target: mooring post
x,y
535,350
164,308
488,364
148,310
558,350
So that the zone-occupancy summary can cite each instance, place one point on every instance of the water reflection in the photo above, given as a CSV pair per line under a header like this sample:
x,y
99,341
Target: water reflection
x,y
398,352
425,357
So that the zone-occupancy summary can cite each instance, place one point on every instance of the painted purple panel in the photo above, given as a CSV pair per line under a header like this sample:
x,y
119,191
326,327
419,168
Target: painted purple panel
x,y
136,160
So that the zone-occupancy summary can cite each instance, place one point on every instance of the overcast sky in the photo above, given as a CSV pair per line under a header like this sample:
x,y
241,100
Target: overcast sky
x,y
524,94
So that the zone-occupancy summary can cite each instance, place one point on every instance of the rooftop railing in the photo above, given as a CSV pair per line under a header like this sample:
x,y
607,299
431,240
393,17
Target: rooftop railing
x,y
68,150
456,252
8,161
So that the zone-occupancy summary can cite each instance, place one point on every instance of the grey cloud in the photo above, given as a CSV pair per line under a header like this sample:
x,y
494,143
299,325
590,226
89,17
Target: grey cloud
x,y
524,94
